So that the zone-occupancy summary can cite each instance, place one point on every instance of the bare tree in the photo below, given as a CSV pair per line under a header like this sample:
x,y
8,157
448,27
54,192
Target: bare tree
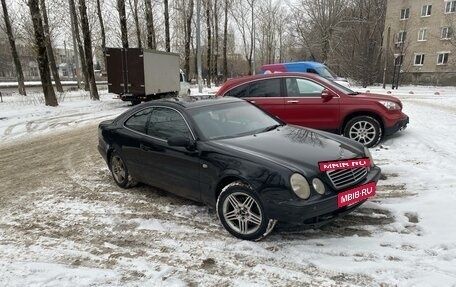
x,y
50,51
371,16
216,41
134,9
188,36
79,49
167,37
42,59
225,39
324,17
243,15
102,31
123,22
151,41
268,30
88,50
209,43
12,41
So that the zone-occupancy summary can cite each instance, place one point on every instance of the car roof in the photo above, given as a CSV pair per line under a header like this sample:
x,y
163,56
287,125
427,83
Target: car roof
x,y
241,80
190,104
302,63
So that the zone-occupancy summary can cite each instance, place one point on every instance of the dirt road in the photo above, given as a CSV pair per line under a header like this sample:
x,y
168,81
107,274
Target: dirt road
x,y
60,207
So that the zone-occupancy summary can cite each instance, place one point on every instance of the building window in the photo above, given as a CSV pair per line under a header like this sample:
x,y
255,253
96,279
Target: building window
x,y
405,13
426,10
446,33
422,34
401,36
419,60
450,6
442,58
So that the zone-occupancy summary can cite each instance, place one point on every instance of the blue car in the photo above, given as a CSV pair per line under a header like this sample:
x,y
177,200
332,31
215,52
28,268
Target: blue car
x,y
304,67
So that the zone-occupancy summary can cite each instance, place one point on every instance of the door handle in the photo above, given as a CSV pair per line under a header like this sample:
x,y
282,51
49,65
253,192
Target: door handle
x,y
293,102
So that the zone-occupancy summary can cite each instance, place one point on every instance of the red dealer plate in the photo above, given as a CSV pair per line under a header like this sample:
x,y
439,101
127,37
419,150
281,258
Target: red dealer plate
x,y
344,164
356,194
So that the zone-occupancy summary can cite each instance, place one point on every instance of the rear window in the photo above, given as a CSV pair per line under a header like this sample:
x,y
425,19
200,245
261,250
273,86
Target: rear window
x,y
265,88
238,92
138,121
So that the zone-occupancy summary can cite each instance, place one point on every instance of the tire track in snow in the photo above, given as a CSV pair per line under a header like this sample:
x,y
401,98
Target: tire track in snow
x,y
81,218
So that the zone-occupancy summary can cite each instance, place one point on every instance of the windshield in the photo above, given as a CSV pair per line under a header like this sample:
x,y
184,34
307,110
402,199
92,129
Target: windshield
x,y
326,72
232,120
340,87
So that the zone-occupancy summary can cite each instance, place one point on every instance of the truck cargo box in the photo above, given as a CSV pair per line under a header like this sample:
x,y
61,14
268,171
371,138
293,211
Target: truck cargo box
x,y
141,74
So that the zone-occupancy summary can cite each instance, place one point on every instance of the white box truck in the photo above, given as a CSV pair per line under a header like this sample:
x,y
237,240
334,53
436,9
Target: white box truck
x,y
137,74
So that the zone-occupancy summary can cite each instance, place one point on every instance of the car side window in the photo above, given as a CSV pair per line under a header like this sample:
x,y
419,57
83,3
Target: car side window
x,y
303,88
165,123
310,70
238,92
138,121
265,88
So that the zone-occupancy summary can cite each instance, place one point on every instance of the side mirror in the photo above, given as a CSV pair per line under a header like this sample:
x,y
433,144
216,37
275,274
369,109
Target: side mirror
x,y
327,95
181,142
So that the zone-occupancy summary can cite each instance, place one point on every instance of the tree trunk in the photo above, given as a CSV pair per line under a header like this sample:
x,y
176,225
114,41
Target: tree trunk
x,y
102,30
80,48
123,22
225,41
134,8
41,55
50,52
209,43
188,37
151,42
252,44
167,38
216,32
88,50
17,62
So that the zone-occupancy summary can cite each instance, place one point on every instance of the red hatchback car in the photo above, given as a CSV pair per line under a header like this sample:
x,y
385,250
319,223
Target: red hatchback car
x,y
312,101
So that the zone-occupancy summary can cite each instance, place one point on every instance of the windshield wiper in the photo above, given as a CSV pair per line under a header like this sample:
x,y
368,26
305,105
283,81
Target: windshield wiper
x,y
354,94
273,127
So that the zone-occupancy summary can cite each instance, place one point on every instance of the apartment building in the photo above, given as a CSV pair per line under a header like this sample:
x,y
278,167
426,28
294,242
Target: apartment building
x,y
422,40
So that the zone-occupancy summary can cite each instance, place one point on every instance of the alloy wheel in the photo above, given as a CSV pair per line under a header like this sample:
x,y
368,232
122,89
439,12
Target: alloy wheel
x,y
363,132
242,213
118,169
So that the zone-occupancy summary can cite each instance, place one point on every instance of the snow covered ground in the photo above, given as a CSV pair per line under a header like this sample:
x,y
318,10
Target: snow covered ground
x,y
404,236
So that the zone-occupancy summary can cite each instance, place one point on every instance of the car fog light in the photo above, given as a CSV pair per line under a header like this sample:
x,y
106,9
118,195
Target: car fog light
x,y
300,186
318,185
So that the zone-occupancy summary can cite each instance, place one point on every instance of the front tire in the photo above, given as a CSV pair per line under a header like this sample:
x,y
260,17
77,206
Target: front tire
x,y
241,212
364,129
119,171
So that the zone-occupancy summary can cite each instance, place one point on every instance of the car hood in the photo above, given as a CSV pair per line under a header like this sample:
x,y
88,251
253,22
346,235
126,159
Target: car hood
x,y
296,148
378,97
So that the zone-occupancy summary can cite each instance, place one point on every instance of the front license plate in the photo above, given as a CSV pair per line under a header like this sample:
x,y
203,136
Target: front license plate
x,y
356,194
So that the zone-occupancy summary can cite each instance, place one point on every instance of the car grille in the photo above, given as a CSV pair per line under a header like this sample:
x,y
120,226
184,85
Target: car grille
x,y
346,177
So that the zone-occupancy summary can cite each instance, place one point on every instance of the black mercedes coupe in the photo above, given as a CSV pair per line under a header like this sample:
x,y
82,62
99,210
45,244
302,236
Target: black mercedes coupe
x,y
250,166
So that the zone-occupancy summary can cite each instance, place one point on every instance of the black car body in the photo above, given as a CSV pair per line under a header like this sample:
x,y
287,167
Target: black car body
x,y
229,154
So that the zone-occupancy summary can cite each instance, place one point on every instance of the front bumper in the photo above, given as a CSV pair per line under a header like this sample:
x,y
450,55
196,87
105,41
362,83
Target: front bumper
x,y
315,212
399,125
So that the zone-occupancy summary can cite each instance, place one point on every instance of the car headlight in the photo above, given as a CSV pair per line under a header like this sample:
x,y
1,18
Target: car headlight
x,y
318,185
300,186
368,154
390,105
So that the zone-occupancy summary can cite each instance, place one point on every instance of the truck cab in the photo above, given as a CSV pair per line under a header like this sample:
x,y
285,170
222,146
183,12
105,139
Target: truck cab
x,y
184,85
